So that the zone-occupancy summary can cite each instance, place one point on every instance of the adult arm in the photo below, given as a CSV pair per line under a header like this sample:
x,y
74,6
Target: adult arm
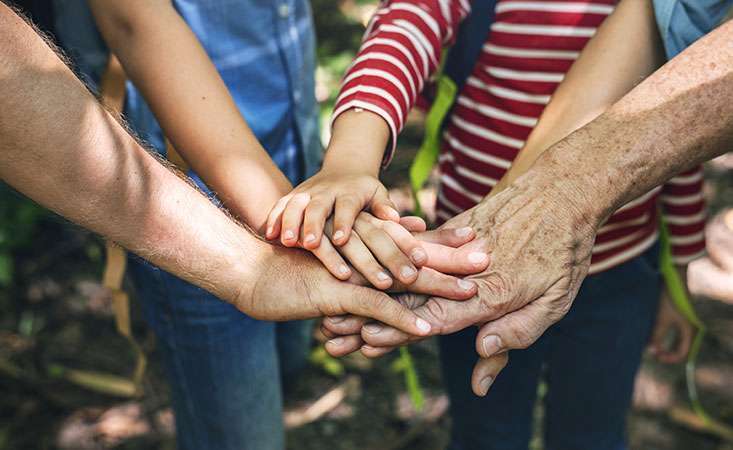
x,y
61,148
541,229
192,103
607,69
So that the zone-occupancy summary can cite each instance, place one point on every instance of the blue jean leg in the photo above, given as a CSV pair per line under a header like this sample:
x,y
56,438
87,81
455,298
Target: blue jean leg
x,y
590,358
503,418
223,366
594,355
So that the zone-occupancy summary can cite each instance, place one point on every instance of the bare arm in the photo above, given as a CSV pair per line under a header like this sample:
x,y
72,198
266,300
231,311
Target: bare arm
x,y
62,149
541,229
167,63
625,50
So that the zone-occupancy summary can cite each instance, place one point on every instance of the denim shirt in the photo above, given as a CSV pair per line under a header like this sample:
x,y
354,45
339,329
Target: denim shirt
x,y
682,22
263,49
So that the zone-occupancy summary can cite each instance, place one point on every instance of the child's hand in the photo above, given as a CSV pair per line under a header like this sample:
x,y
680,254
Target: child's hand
x,y
672,334
390,257
309,205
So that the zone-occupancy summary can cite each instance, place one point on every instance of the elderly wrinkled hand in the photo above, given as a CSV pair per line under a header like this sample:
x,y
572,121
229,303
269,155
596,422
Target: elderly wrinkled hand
x,y
540,247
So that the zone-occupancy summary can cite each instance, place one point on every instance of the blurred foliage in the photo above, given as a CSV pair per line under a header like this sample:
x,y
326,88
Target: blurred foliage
x,y
19,222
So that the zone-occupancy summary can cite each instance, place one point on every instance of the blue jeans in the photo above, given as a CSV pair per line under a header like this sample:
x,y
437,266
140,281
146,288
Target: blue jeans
x,y
588,360
225,369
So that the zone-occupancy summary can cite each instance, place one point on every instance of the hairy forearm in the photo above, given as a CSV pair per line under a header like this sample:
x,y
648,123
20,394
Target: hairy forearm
x,y
606,70
62,149
678,117
191,102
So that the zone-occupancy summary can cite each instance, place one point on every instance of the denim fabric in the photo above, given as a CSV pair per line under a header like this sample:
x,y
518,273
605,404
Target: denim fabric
x,y
682,22
265,52
588,361
225,369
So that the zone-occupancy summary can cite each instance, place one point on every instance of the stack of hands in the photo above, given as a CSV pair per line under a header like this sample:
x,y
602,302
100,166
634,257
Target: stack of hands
x,y
491,266
505,265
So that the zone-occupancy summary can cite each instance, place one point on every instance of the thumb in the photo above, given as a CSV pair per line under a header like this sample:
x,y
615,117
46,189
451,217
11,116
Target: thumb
x,y
382,207
485,372
383,308
518,329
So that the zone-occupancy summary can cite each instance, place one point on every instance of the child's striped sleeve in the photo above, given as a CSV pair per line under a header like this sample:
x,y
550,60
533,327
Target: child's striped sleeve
x,y
401,50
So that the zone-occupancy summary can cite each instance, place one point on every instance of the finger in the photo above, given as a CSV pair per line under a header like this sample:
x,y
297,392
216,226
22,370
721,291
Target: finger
x,y
382,207
516,330
468,259
315,216
346,208
377,334
292,217
452,237
328,333
381,307
274,219
343,345
375,352
413,224
344,325
362,259
406,242
381,245
432,282
485,372
332,260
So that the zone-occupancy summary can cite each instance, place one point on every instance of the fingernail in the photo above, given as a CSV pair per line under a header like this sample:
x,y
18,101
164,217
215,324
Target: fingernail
x,y
491,345
477,257
485,384
418,255
463,232
343,270
336,319
336,341
373,328
288,235
465,284
338,235
310,238
407,272
381,276
422,325
269,231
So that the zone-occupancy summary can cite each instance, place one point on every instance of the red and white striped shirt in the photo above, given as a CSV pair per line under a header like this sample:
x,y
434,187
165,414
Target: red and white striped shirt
x,y
531,46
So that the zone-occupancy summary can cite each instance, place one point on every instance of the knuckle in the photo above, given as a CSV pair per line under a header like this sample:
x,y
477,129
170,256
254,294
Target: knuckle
x,y
436,311
495,293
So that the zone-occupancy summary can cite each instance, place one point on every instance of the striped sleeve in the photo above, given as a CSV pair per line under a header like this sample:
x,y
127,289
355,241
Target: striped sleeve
x,y
400,51
683,207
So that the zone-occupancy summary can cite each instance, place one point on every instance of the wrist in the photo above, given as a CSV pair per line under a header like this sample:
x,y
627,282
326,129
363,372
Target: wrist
x,y
575,182
247,268
358,142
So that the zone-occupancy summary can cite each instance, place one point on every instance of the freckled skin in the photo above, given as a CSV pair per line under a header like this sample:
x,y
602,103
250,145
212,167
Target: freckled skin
x,y
98,176
541,228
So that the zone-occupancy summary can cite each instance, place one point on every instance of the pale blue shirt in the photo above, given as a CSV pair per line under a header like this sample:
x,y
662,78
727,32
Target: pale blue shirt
x,y
682,22
264,51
